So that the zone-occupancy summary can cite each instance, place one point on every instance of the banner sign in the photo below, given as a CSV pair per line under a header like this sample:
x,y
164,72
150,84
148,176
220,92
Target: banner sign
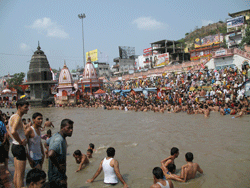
x,y
208,40
93,55
235,22
160,60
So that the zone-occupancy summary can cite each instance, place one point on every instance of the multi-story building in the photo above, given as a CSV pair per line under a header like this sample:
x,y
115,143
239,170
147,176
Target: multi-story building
x,y
103,70
126,60
236,28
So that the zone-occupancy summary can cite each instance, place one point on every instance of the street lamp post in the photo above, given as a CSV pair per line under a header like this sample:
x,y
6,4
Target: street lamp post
x,y
81,16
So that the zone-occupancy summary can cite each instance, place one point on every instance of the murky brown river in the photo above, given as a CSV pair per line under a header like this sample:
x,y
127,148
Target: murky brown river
x,y
220,145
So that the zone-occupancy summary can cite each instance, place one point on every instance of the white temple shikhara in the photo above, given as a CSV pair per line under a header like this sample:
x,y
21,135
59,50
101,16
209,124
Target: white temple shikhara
x,y
89,83
65,91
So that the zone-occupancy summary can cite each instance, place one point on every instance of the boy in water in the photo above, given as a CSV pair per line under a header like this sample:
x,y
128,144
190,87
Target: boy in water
x,y
170,173
159,181
188,171
91,146
35,178
170,160
82,159
33,135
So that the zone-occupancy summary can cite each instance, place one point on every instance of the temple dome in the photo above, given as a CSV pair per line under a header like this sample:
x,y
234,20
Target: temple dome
x,y
39,69
89,71
6,90
65,77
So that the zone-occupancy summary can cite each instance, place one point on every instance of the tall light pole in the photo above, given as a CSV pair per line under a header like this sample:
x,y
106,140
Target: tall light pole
x,y
81,16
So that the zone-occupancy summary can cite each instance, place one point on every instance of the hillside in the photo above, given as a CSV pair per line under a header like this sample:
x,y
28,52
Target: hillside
x,y
211,29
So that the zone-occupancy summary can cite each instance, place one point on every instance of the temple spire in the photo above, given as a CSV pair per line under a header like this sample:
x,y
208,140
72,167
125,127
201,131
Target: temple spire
x,y
39,48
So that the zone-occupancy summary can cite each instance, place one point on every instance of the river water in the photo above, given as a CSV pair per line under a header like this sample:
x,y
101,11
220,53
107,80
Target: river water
x,y
220,145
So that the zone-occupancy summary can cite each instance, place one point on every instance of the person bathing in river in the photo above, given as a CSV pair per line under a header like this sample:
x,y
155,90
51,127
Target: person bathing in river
x,y
82,159
174,153
189,170
170,175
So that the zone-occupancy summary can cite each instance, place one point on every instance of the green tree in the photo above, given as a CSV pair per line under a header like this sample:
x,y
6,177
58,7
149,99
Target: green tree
x,y
16,81
246,38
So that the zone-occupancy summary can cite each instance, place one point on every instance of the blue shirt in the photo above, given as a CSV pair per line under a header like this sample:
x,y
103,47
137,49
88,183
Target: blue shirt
x,y
58,144
227,111
2,129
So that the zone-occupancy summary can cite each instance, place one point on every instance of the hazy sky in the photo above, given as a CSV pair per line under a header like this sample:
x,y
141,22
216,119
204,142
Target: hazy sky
x,y
108,24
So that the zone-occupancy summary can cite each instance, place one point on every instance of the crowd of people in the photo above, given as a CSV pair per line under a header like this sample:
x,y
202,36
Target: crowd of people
x,y
198,92
26,145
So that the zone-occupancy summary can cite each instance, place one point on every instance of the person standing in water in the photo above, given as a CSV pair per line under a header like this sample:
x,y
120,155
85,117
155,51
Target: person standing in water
x,y
111,170
19,142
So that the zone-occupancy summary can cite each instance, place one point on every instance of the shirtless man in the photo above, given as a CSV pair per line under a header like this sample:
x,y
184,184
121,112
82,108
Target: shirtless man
x,y
19,142
82,159
188,171
111,170
174,153
159,181
48,123
33,135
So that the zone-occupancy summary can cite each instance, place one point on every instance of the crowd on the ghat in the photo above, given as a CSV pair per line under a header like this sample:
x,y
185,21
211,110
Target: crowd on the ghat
x,y
193,92
197,92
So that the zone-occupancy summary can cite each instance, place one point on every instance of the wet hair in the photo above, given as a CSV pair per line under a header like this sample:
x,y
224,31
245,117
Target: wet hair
x,y
49,131
21,102
189,156
35,175
158,173
78,152
35,115
174,150
90,150
110,152
65,122
91,145
171,167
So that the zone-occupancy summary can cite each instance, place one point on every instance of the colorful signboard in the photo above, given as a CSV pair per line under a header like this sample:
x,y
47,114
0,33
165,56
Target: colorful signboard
x,y
202,54
235,22
93,55
208,40
160,60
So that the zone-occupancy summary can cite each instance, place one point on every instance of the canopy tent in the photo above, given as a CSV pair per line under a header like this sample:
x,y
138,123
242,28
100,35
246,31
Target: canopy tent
x,y
151,89
137,89
116,91
100,91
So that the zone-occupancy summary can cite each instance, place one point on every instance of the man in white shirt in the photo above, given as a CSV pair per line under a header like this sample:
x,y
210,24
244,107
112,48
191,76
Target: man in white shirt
x,y
111,170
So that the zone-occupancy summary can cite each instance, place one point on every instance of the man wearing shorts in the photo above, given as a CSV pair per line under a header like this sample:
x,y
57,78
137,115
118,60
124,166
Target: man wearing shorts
x,y
19,141
33,135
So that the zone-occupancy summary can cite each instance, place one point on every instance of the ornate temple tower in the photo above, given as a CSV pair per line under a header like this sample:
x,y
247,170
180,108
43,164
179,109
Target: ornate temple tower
x,y
39,78
89,83
65,90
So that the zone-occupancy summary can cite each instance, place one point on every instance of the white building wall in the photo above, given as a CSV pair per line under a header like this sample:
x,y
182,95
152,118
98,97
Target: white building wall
x,y
140,61
210,64
239,60
232,61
